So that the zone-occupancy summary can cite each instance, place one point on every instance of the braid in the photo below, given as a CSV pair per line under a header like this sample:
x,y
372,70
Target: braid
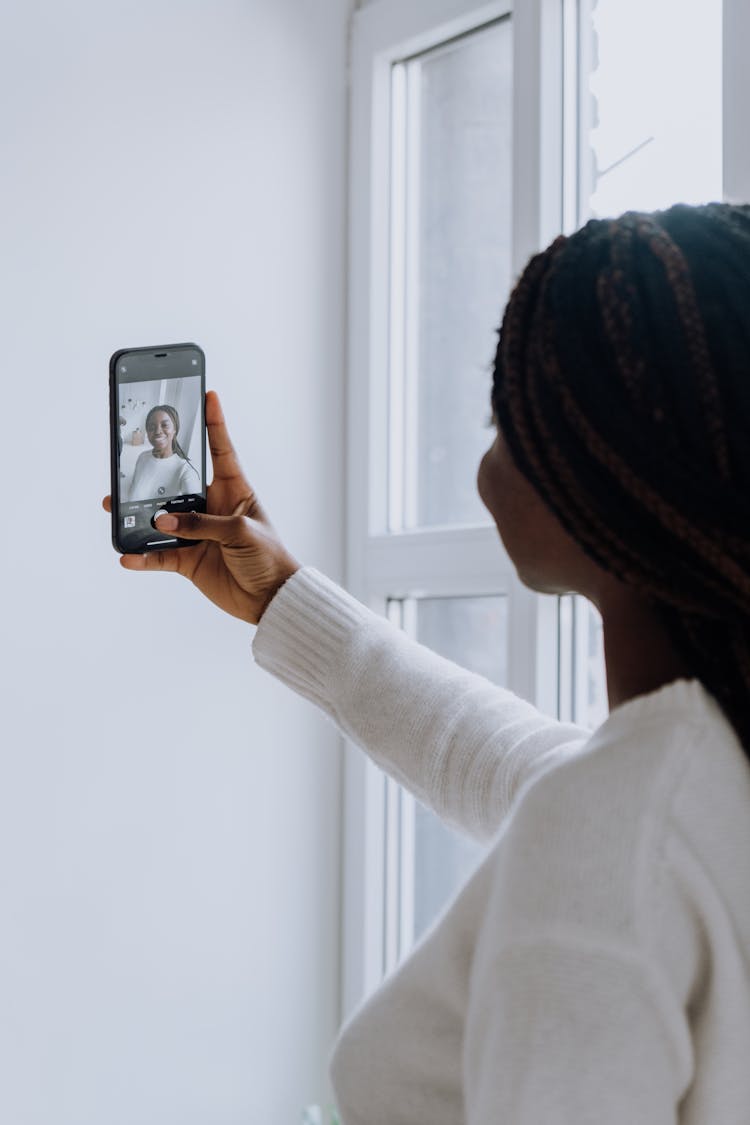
x,y
678,276
622,386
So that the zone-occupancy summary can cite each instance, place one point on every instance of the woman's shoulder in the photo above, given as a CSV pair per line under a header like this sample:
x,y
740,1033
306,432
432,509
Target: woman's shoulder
x,y
143,457
661,778
637,762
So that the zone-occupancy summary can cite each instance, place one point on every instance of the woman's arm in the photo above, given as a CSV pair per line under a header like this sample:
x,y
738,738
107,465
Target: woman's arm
x,y
461,744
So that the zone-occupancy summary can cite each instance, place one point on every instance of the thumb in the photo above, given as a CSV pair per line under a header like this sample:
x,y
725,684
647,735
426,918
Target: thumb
x,y
230,531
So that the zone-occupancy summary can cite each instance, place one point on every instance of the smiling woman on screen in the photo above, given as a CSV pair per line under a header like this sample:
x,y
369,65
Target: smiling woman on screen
x,y
165,469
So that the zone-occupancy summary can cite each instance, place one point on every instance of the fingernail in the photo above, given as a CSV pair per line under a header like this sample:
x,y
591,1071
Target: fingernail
x,y
166,521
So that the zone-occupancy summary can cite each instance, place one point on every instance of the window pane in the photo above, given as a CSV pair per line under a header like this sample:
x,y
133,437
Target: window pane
x,y
596,699
655,77
470,631
473,633
581,678
451,255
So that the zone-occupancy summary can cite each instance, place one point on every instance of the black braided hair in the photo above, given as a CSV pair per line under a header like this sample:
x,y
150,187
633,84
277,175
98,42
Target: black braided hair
x,y
622,386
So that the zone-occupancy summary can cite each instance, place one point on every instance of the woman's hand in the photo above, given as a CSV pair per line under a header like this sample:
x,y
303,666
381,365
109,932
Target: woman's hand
x,y
238,562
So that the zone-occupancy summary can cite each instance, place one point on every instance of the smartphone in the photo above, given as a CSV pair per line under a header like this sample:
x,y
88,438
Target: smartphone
x,y
158,441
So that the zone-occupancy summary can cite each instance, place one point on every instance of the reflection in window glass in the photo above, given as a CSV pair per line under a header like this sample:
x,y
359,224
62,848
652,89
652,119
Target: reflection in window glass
x,y
656,82
472,632
451,230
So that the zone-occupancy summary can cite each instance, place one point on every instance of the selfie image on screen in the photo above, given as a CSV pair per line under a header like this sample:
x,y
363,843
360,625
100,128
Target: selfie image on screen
x,y
160,447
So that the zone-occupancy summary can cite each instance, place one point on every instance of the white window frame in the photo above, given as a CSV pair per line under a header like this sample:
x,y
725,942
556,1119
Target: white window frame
x,y
548,121
437,562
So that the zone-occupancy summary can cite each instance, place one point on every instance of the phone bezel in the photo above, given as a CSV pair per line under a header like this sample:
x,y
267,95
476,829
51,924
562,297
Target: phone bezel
x,y
159,351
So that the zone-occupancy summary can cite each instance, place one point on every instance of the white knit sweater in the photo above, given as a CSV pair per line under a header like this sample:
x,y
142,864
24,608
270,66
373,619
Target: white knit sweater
x,y
596,968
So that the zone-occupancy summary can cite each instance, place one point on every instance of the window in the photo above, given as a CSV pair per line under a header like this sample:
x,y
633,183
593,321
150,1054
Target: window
x,y
449,235
477,134
662,142
435,242
450,268
425,860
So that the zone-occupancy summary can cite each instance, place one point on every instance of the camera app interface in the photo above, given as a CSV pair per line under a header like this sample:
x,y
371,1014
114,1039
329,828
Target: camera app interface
x,y
160,448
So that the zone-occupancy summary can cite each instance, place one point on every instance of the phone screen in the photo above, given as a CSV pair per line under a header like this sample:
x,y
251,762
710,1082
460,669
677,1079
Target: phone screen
x,y
158,441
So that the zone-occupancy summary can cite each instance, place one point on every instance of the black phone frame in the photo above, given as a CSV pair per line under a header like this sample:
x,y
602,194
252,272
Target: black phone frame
x,y
158,351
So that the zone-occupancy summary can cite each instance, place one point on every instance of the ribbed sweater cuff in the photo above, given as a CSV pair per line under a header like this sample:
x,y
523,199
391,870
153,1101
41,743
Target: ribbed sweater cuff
x,y
302,634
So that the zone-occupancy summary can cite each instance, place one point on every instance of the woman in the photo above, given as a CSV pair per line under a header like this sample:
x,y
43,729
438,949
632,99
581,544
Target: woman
x,y
596,967
165,470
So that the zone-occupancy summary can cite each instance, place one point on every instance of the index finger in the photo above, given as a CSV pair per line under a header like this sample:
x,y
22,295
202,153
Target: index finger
x,y
222,451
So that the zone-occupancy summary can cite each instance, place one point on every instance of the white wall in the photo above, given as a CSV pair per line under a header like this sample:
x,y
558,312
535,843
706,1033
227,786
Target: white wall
x,y
169,815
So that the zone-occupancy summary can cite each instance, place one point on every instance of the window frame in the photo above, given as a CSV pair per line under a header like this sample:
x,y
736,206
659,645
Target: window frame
x,y
435,562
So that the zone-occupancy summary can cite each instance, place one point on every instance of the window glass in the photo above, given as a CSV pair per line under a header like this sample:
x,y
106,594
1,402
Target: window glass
x,y
655,87
472,632
451,234
581,672
596,704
